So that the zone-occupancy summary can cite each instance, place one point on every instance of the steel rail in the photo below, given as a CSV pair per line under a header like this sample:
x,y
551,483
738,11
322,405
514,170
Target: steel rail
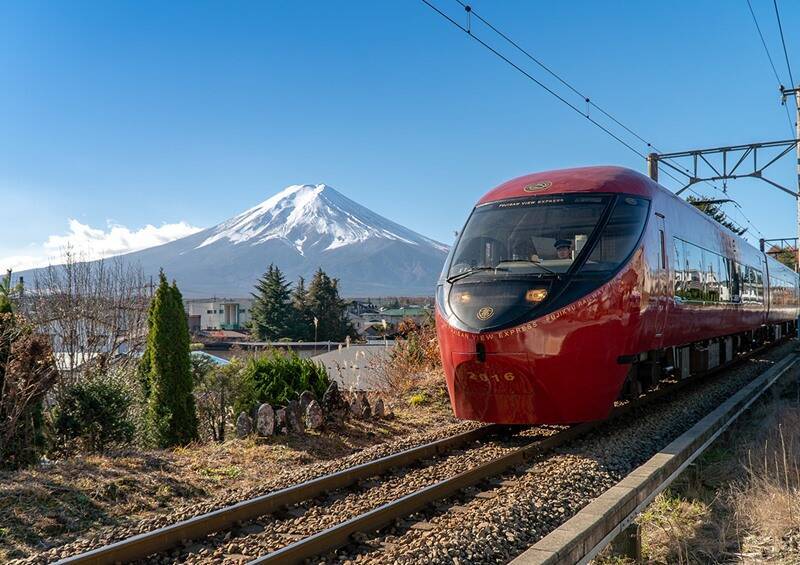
x,y
583,537
168,537
162,539
380,517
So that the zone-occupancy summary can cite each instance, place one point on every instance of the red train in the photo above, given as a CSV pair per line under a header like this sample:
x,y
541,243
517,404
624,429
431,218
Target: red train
x,y
567,289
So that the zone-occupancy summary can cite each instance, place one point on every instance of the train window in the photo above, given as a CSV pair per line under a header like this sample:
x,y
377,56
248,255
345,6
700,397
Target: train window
x,y
662,256
693,281
619,235
679,266
759,285
527,236
711,276
736,281
746,282
724,279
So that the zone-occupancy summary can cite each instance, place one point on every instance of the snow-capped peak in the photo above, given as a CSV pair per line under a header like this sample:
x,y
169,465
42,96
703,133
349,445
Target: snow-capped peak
x,y
311,216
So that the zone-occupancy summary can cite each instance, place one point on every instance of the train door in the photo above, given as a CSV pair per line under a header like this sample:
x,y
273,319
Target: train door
x,y
662,280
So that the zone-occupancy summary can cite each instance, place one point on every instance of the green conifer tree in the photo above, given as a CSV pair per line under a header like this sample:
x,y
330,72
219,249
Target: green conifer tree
x,y
7,292
325,303
272,314
166,368
303,317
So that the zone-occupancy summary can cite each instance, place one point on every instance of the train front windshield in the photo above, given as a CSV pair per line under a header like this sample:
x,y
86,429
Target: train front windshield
x,y
528,235
529,247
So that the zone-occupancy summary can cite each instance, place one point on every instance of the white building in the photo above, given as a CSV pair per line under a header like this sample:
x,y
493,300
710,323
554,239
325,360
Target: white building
x,y
218,313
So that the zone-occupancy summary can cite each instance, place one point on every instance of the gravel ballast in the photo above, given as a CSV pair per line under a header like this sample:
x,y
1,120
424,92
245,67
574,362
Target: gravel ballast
x,y
538,498
505,517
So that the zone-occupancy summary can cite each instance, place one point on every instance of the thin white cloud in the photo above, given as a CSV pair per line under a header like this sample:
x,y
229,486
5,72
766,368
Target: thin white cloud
x,y
95,243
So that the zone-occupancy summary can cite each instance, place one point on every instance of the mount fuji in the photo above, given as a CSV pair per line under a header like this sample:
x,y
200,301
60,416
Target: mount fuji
x,y
300,229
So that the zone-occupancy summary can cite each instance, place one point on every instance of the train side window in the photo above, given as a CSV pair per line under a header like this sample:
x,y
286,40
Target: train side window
x,y
693,282
710,276
746,276
663,245
759,285
679,267
736,282
725,279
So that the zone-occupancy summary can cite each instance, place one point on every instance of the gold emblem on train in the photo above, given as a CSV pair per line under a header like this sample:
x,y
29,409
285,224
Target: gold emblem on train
x,y
485,313
537,186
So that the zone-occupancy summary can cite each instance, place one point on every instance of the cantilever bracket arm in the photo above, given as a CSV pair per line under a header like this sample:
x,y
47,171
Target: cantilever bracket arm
x,y
754,174
776,185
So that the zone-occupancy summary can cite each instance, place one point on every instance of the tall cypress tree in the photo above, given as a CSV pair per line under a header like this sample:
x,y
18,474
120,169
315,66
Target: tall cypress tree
x,y
325,303
166,368
272,313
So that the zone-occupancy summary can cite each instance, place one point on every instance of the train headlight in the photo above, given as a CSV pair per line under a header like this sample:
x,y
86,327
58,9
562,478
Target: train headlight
x,y
536,295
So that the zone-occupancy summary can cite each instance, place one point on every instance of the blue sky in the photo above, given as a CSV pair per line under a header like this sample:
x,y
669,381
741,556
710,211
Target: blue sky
x,y
134,113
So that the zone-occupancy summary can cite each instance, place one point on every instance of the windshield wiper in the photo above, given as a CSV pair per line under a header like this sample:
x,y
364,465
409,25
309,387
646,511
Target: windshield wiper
x,y
469,272
542,267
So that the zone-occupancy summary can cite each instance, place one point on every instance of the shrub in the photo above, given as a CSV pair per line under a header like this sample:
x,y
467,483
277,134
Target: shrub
x,y
202,365
276,378
414,362
215,394
96,414
27,373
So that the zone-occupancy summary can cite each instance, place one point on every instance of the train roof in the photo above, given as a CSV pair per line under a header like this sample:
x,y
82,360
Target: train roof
x,y
582,179
607,179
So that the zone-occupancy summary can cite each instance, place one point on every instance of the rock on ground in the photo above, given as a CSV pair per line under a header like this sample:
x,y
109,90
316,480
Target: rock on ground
x,y
314,416
305,399
333,404
244,425
265,420
294,418
379,410
280,420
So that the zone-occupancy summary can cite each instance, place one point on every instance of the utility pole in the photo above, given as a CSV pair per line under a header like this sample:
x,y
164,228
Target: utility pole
x,y
784,93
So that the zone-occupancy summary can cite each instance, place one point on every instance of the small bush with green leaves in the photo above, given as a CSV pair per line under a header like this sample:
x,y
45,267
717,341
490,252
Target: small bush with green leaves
x,y
96,415
277,377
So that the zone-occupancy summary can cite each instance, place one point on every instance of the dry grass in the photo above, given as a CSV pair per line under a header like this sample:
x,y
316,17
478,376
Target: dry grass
x,y
740,502
56,503
413,372
766,502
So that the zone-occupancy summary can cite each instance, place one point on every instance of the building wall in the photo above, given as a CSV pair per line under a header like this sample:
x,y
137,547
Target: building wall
x,y
220,313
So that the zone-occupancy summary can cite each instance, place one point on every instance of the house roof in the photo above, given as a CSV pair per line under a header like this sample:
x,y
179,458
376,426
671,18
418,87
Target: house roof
x,y
408,311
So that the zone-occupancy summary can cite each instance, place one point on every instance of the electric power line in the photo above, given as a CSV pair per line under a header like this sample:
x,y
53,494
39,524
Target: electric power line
x,y
532,78
771,63
587,99
746,219
783,42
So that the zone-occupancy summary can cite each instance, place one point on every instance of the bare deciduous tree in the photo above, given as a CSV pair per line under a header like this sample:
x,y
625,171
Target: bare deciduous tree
x,y
94,312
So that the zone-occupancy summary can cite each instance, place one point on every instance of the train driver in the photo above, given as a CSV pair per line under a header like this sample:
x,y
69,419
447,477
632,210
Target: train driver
x,y
563,248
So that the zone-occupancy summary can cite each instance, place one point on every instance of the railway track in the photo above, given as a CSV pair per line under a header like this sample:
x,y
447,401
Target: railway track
x,y
318,516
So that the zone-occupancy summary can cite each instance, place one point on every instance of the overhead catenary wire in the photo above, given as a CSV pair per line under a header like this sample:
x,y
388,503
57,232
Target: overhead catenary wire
x,y
771,64
553,93
783,42
468,30
746,219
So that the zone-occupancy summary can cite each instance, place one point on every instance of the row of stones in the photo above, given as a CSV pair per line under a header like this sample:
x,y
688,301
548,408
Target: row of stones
x,y
308,413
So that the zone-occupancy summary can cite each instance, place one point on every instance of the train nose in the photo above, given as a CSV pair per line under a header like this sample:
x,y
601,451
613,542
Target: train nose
x,y
500,388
